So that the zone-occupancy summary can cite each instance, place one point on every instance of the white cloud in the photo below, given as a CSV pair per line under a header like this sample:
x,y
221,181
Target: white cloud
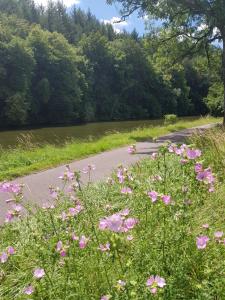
x,y
66,2
117,24
145,17
215,31
202,27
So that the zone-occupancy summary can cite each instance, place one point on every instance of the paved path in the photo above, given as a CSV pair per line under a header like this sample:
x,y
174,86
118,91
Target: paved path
x,y
36,185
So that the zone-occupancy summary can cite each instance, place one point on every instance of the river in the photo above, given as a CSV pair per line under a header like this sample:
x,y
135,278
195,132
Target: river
x,y
59,135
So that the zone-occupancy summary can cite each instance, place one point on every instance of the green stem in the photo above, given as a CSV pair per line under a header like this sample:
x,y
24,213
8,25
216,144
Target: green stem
x,y
90,216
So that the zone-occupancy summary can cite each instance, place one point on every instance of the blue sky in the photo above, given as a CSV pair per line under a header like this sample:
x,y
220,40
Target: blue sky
x,y
109,13
106,13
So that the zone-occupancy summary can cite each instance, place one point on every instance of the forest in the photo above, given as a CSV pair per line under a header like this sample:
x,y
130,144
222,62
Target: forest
x,y
60,66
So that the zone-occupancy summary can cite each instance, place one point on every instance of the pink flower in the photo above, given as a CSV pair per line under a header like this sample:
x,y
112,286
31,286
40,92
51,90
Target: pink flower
x,y
75,237
12,213
11,250
166,199
13,188
202,241
206,176
218,234
183,161
54,192
193,154
103,224
105,247
130,237
9,216
68,175
63,253
39,273
130,223
17,208
172,148
60,249
118,222
125,212
4,257
198,167
126,190
83,242
28,290
132,149
178,151
105,297
48,206
154,156
73,211
153,195
115,222
211,189
120,176
205,226
154,282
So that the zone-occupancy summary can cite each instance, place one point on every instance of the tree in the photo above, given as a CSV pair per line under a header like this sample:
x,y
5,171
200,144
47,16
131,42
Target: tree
x,y
201,21
57,85
138,87
16,67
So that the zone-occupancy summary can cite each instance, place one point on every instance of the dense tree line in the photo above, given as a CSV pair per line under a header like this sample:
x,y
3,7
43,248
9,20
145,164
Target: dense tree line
x,y
60,66
200,23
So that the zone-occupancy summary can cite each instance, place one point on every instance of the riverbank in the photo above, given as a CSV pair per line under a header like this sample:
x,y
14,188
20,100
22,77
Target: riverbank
x,y
28,158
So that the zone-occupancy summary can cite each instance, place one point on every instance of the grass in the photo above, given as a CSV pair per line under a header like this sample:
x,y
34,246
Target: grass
x,y
164,240
24,160
213,139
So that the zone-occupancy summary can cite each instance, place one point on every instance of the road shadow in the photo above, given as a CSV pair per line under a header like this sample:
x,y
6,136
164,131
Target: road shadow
x,y
175,137
139,139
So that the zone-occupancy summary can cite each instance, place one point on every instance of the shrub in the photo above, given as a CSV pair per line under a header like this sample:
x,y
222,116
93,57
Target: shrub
x,y
170,119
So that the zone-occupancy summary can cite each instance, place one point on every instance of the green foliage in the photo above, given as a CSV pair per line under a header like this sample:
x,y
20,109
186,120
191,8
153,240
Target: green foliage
x,y
214,99
17,65
170,119
16,109
57,72
72,68
194,24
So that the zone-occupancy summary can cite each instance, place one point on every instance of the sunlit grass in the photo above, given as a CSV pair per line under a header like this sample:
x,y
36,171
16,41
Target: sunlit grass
x,y
22,160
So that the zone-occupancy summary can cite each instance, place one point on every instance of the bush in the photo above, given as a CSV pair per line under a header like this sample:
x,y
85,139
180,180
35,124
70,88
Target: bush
x,y
170,119
215,99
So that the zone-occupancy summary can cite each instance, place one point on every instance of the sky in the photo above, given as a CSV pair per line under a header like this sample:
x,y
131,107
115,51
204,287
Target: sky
x,y
106,13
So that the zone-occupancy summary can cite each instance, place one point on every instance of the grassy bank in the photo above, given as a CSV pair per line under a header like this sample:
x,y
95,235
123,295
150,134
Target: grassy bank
x,y
66,252
27,159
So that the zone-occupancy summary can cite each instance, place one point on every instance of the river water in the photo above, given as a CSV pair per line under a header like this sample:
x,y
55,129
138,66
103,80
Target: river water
x,y
59,135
